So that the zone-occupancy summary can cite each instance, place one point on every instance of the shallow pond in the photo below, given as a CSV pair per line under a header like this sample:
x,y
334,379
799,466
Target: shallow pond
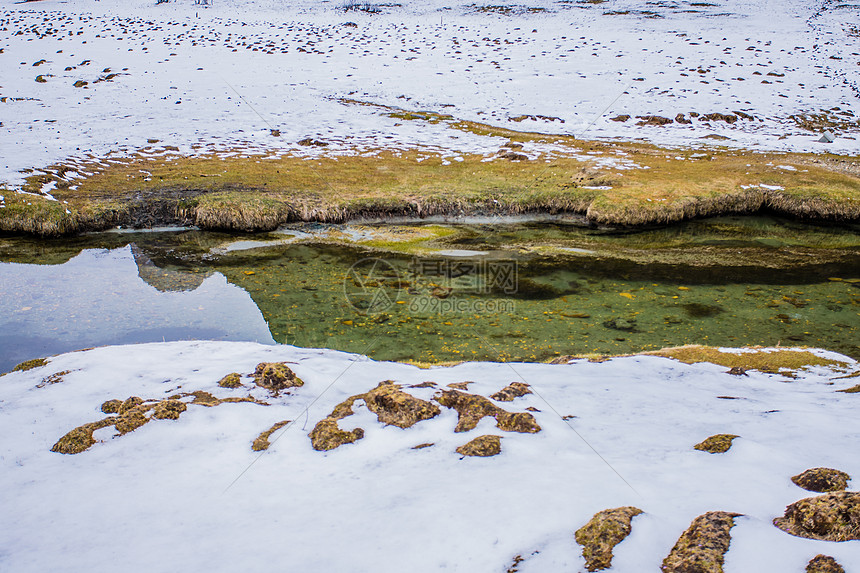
x,y
524,291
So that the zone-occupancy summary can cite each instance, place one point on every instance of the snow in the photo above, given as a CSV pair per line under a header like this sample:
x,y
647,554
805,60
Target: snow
x,y
189,494
220,78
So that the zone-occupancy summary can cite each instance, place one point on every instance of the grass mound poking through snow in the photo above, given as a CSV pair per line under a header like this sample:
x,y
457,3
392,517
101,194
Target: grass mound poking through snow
x,y
702,547
716,444
830,517
602,533
823,564
822,480
482,446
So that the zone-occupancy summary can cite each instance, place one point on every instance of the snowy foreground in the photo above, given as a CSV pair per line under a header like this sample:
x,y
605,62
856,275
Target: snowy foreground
x,y
180,76
190,494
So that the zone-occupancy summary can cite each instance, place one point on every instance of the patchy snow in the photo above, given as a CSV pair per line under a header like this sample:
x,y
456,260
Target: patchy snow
x,y
222,78
189,494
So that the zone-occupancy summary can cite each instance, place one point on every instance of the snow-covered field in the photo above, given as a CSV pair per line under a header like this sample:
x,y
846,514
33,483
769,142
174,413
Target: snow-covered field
x,y
190,495
221,77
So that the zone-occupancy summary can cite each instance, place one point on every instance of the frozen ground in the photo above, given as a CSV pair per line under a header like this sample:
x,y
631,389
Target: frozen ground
x,y
190,495
174,73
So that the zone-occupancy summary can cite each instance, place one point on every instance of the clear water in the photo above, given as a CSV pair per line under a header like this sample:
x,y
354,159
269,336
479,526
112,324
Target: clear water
x,y
488,292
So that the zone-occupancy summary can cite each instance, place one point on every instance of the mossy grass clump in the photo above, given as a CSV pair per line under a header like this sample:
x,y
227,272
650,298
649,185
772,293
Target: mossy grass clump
x,y
111,406
482,446
511,391
716,444
391,405
755,358
822,480
168,410
702,547
472,408
130,420
30,365
326,435
276,376
130,403
394,407
232,380
262,442
852,390
81,438
823,564
602,533
829,517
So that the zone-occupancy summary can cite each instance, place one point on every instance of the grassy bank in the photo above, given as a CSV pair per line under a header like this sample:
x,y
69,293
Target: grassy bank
x,y
624,184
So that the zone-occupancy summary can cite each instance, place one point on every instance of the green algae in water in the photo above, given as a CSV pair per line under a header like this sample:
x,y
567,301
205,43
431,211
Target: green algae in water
x,y
710,282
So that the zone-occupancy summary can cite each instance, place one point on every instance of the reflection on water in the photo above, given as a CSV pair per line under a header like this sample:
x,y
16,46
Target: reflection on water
x,y
98,298
728,282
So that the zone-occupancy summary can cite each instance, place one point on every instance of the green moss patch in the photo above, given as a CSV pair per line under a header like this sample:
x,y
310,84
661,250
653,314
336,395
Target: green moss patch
x,y
829,517
482,446
602,533
716,444
702,547
822,480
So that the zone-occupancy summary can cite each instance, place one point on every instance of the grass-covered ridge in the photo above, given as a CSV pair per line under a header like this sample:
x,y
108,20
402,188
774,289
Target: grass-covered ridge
x,y
610,183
